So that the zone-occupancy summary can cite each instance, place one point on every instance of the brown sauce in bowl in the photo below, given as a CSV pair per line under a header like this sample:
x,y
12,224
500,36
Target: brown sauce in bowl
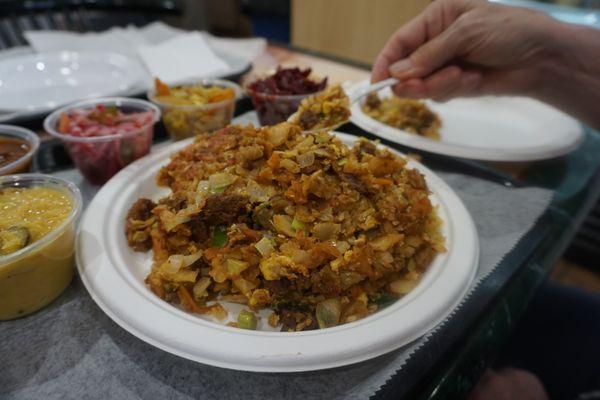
x,y
12,149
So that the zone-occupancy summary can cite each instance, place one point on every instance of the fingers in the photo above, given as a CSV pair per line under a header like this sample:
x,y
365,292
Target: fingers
x,y
428,25
442,85
486,384
429,57
433,20
398,46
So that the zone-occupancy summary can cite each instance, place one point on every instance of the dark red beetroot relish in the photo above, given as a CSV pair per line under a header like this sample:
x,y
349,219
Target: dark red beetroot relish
x,y
278,96
287,81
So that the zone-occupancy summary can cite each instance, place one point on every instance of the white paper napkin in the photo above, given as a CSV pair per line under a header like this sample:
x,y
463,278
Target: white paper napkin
x,y
179,59
116,40
172,54
248,49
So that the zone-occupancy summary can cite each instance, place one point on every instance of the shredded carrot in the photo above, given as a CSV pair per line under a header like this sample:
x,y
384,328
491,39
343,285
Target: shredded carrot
x,y
329,249
382,181
268,147
265,176
187,301
63,123
250,233
225,94
162,89
211,252
157,288
273,161
297,192
422,206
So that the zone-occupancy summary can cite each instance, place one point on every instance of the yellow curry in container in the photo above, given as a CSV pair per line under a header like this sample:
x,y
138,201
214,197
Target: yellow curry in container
x,y
37,241
189,110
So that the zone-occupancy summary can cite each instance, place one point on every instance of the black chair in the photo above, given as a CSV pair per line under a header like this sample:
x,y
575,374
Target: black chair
x,y
17,16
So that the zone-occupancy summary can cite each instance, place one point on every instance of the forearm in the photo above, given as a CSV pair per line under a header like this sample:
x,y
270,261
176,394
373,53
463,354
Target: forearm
x,y
570,77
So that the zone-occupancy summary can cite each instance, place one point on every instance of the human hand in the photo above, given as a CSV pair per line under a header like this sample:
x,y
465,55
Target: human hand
x,y
507,384
467,47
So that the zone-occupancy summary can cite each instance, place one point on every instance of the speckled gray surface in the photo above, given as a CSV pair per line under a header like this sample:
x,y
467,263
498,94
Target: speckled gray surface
x,y
72,350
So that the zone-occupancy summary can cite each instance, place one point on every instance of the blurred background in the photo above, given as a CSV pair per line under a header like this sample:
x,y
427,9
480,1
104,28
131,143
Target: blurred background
x,y
320,26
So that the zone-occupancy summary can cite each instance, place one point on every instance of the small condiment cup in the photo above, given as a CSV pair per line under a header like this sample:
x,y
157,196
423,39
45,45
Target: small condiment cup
x,y
33,276
100,157
23,163
184,121
275,108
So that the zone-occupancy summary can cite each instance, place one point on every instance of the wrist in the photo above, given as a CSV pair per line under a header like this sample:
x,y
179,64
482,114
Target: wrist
x,y
569,73
570,53
552,64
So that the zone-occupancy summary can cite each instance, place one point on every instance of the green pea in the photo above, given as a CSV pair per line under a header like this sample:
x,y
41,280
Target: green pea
x,y
246,320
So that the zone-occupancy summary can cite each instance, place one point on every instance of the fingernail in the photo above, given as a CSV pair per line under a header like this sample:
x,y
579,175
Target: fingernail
x,y
401,66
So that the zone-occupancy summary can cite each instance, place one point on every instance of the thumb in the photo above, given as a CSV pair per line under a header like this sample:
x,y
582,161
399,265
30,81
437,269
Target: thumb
x,y
429,57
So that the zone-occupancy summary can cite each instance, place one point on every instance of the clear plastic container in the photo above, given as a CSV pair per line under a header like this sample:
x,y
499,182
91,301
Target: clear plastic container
x,y
100,157
32,140
33,276
275,108
184,121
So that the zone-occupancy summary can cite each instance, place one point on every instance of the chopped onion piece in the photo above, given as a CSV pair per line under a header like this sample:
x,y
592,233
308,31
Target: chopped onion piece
x,y
203,187
183,276
219,181
326,230
322,152
306,159
259,193
290,165
236,267
278,134
176,262
234,298
323,138
200,287
329,312
283,224
217,311
300,256
171,220
243,285
383,243
341,245
264,246
305,143
403,286
192,258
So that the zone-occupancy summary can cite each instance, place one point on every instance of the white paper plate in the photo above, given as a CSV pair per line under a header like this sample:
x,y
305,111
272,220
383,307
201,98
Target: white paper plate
x,y
114,276
42,82
34,106
486,128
